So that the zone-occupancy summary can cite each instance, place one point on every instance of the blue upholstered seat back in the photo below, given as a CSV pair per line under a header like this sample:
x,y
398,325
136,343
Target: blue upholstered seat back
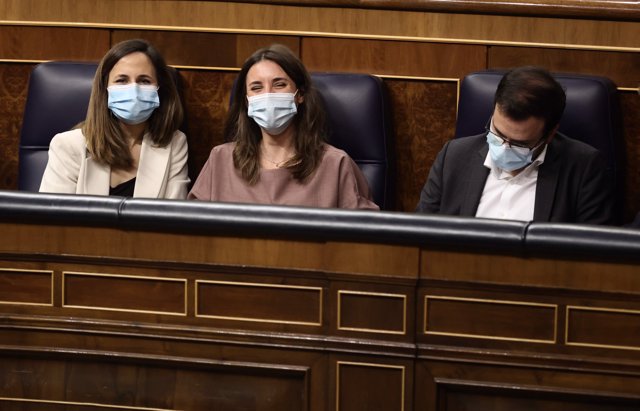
x,y
57,100
359,116
592,113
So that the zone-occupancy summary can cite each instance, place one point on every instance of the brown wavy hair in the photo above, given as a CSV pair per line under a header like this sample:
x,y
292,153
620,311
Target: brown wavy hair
x,y
310,121
105,139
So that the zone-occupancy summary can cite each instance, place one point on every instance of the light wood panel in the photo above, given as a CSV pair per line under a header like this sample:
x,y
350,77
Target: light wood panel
x,y
392,58
579,275
209,15
622,68
206,49
43,43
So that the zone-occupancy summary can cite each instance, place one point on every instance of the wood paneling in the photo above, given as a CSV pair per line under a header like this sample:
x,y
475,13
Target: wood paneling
x,y
286,304
392,58
368,312
26,287
501,269
490,326
86,383
385,389
424,118
604,327
490,319
46,43
206,102
14,80
329,21
630,103
206,49
151,295
569,8
622,68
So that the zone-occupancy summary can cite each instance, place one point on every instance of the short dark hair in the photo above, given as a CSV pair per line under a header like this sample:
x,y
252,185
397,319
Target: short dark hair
x,y
531,92
310,122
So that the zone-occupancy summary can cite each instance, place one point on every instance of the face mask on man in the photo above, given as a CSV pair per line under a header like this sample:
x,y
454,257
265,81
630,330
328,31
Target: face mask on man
x,y
272,111
505,157
133,103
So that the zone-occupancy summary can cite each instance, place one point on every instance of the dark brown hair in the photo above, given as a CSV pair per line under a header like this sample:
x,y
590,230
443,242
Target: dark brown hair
x,y
531,92
310,121
105,139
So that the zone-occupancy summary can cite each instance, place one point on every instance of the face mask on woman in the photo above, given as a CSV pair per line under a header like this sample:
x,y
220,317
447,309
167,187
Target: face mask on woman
x,y
272,111
133,103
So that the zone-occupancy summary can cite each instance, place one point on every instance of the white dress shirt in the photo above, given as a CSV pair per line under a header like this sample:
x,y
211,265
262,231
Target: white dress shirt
x,y
510,197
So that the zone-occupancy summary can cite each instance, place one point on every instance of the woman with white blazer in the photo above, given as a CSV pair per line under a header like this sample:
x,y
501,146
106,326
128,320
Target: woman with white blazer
x,y
129,144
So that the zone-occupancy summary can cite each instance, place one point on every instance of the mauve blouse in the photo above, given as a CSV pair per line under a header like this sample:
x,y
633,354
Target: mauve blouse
x,y
336,183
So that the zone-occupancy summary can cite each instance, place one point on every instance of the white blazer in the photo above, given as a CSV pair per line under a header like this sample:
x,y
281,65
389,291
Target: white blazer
x,y
162,171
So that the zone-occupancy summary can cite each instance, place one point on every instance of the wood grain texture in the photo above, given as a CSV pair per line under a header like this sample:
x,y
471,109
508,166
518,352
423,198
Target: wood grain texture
x,y
622,68
60,43
329,21
392,57
206,101
424,120
205,49
630,107
572,8
14,82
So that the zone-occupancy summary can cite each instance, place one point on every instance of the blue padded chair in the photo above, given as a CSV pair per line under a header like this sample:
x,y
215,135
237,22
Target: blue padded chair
x,y
592,113
359,116
57,100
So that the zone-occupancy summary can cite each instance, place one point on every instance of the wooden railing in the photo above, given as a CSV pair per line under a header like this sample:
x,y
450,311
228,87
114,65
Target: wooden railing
x,y
143,304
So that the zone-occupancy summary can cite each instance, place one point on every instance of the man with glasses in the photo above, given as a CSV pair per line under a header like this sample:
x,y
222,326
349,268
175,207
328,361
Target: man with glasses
x,y
521,168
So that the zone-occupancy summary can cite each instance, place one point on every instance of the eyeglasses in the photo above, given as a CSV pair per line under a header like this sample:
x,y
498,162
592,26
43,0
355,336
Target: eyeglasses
x,y
511,143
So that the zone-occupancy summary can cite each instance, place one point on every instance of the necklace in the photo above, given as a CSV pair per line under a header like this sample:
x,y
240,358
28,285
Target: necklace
x,y
278,164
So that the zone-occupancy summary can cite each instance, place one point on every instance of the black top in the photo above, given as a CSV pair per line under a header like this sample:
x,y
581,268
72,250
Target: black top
x,y
124,189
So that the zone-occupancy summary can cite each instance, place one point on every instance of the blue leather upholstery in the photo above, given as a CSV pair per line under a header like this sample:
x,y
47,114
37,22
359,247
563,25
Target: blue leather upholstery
x,y
57,100
592,113
359,117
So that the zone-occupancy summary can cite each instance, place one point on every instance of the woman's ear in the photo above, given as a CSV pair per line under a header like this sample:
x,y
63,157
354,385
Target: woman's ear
x,y
299,97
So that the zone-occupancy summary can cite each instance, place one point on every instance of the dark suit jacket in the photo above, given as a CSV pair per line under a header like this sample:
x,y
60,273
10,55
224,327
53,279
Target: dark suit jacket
x,y
573,185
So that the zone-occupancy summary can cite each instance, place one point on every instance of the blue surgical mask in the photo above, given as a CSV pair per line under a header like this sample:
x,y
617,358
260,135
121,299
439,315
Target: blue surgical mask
x,y
272,111
508,158
133,103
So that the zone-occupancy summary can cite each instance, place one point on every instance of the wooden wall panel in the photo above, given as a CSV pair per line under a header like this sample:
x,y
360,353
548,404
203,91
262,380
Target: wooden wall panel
x,y
46,43
630,105
125,293
206,49
14,81
26,287
86,383
327,20
385,388
623,68
424,116
206,101
392,57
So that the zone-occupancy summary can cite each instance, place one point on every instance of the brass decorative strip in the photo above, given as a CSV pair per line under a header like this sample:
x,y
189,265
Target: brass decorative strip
x,y
373,294
303,33
237,69
255,319
23,270
603,310
402,368
183,313
492,337
86,404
